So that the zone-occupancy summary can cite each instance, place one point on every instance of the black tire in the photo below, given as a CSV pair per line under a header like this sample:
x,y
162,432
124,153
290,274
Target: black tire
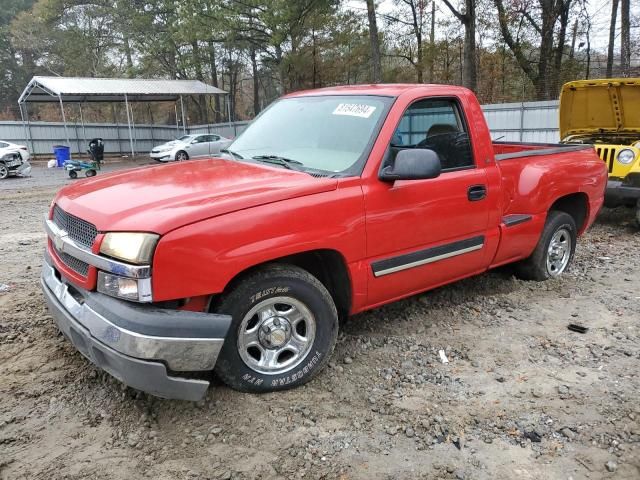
x,y
73,174
271,281
4,171
535,267
638,214
181,155
90,173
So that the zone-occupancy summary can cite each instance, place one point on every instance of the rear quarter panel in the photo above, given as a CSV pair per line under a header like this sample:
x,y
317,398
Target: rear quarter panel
x,y
531,185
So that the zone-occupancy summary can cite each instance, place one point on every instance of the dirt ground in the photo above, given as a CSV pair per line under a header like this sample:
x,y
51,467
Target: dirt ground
x,y
522,397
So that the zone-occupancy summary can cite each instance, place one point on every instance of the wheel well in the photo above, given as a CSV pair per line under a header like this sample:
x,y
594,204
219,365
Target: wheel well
x,y
328,266
576,205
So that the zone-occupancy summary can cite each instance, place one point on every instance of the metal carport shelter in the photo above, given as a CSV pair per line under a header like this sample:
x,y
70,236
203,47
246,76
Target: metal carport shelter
x,y
85,89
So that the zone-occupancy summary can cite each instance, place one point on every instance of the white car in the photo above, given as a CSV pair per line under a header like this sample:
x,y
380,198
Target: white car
x,y
190,146
7,147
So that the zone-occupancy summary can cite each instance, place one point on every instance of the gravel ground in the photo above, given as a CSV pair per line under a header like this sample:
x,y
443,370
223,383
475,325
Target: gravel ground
x,y
521,397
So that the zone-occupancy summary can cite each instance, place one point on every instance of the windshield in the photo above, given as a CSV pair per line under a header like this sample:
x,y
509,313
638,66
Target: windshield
x,y
328,133
185,138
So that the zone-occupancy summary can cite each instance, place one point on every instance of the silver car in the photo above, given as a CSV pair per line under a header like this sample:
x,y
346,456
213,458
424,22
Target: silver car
x,y
190,146
8,147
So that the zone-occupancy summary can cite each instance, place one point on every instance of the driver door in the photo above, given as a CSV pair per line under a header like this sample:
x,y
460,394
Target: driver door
x,y
422,233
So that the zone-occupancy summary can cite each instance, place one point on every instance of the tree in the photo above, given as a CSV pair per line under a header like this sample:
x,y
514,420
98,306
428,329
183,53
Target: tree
x,y
549,15
376,67
412,17
468,20
612,38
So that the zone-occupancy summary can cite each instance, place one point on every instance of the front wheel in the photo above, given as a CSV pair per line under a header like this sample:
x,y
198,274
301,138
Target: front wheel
x,y
4,171
554,251
182,155
73,174
284,329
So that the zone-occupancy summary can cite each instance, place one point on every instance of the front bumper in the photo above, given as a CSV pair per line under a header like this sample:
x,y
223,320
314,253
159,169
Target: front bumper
x,y
142,346
161,156
617,190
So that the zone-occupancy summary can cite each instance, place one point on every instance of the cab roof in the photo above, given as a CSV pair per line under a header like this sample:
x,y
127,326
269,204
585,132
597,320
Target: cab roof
x,y
380,89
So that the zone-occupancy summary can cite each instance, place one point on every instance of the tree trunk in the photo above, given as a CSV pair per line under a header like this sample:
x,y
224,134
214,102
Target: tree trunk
x,y
469,72
214,81
562,34
468,20
127,52
417,31
612,38
281,72
543,86
256,81
625,38
432,40
197,64
374,42
588,73
574,34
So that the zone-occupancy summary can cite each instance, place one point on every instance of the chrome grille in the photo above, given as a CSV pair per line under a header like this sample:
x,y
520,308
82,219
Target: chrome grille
x,y
80,231
608,155
73,263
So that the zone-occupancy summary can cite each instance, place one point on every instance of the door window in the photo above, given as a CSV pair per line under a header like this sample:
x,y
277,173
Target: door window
x,y
438,125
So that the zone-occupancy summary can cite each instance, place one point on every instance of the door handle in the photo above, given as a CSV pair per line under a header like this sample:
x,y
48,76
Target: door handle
x,y
476,192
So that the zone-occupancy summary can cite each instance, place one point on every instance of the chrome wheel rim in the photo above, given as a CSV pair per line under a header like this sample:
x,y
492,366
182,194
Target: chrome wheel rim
x,y
4,171
559,252
276,335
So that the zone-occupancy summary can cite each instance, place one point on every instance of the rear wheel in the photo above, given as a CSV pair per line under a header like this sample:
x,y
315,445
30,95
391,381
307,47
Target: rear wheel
x,y
182,155
284,329
90,173
554,251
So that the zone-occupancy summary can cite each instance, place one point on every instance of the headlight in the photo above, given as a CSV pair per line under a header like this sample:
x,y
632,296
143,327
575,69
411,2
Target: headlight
x,y
131,247
626,156
135,289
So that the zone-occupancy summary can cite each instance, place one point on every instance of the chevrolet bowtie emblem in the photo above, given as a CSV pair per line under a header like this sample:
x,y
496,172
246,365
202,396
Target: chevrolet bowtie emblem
x,y
58,240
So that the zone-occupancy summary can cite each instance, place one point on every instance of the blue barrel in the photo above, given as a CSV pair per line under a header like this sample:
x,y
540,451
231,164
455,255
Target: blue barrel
x,y
62,153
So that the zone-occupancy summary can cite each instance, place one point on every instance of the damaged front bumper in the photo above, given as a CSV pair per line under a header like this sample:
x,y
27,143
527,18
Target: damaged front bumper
x,y
143,346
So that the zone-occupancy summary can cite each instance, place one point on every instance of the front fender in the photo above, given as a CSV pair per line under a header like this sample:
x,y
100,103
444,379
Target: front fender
x,y
203,257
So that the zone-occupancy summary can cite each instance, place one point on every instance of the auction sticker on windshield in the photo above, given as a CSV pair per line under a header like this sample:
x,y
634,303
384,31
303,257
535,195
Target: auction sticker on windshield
x,y
354,110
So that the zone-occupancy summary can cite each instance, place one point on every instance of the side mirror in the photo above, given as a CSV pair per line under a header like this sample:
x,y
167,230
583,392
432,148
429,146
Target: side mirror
x,y
412,164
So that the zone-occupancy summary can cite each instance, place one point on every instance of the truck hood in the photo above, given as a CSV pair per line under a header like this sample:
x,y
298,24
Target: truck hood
x,y
600,106
161,198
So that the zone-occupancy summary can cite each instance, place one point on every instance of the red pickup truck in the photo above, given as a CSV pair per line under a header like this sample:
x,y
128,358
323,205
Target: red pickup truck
x,y
332,202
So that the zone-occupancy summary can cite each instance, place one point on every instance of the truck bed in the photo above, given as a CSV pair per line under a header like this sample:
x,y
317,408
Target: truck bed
x,y
509,150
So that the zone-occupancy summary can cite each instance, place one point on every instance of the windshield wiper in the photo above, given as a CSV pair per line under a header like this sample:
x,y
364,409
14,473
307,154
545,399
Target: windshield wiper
x,y
231,152
278,160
